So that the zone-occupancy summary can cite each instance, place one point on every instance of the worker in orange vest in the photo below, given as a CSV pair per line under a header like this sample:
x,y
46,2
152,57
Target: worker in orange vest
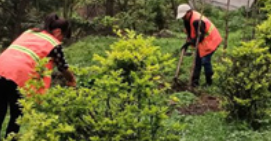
x,y
18,63
209,40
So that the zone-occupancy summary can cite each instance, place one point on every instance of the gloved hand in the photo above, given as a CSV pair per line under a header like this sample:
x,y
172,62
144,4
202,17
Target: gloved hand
x,y
71,84
185,46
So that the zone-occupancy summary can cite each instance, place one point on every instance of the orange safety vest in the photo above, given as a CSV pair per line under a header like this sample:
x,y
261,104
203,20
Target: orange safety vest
x,y
18,61
212,37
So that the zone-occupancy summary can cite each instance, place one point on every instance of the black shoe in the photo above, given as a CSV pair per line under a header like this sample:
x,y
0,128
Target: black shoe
x,y
209,80
195,83
206,85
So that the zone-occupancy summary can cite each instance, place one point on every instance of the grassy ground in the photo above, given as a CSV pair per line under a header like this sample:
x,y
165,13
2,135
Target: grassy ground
x,y
213,127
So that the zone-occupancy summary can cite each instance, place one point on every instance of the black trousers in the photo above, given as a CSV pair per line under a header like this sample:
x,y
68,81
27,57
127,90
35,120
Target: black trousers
x,y
208,69
9,96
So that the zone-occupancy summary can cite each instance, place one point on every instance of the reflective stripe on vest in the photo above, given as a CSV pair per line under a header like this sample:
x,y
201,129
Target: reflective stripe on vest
x,y
29,52
212,38
43,36
25,50
210,30
28,49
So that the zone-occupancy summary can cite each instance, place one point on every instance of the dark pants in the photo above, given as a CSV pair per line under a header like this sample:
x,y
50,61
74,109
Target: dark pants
x,y
9,96
208,69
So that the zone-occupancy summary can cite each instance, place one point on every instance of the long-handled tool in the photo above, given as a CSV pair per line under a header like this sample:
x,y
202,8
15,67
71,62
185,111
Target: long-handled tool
x,y
176,80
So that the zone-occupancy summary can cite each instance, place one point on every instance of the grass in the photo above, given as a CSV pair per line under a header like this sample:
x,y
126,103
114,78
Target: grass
x,y
80,53
213,127
4,126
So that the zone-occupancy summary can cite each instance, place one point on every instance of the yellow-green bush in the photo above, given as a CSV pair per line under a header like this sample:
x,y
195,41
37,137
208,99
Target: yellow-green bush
x,y
125,103
244,78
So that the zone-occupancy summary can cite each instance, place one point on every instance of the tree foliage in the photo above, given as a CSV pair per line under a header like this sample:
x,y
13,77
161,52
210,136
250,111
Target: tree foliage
x,y
16,16
145,16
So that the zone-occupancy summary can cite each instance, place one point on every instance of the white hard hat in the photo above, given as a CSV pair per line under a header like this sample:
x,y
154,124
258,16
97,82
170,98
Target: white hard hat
x,y
182,9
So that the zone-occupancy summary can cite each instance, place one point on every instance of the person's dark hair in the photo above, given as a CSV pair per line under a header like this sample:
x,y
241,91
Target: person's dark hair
x,y
52,21
190,10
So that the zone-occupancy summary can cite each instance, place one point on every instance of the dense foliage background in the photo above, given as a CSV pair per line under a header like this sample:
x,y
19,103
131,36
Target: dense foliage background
x,y
99,17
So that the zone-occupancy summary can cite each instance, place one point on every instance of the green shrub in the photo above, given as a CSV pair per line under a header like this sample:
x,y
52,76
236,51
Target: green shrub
x,y
126,102
244,78
263,32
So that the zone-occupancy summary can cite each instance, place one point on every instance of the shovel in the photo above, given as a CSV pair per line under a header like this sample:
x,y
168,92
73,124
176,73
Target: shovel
x,y
176,80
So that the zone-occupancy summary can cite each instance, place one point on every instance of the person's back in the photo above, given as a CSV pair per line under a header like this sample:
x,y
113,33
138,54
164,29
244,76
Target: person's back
x,y
24,53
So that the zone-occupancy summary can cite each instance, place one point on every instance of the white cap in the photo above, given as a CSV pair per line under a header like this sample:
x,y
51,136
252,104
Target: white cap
x,y
182,9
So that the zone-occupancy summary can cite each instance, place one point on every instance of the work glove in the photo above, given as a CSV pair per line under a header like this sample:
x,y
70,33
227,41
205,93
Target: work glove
x,y
185,46
71,84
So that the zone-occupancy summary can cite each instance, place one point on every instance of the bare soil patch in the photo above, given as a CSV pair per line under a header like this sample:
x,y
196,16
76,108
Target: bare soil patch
x,y
205,103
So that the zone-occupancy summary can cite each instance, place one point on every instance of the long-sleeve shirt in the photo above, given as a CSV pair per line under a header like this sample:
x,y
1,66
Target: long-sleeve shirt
x,y
59,58
192,41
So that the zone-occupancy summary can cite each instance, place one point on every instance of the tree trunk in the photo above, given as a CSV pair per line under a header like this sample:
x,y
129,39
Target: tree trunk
x,y
227,26
109,7
247,22
68,8
159,18
173,7
255,12
20,13
65,9
123,6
